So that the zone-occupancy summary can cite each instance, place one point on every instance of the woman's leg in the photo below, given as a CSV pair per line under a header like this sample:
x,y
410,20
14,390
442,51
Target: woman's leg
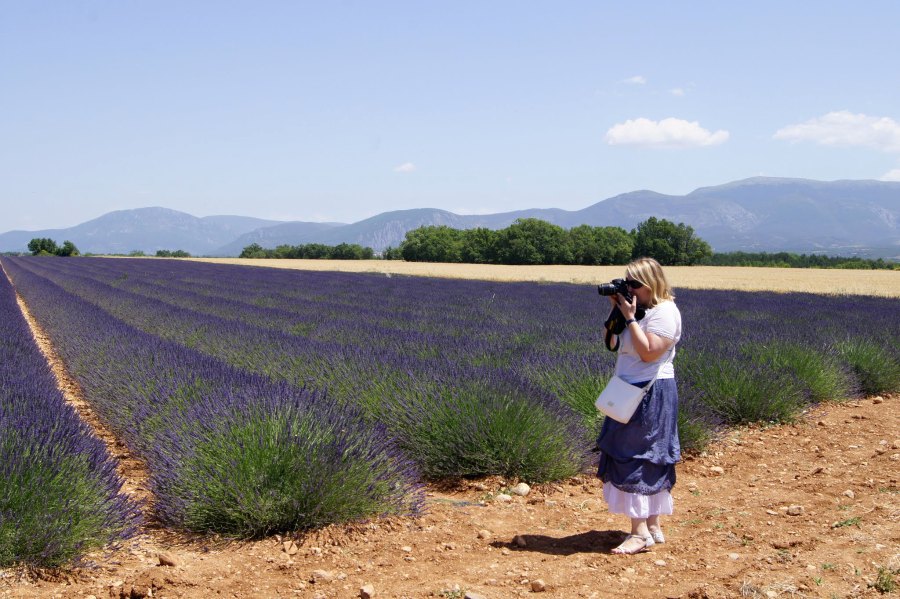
x,y
639,527
655,529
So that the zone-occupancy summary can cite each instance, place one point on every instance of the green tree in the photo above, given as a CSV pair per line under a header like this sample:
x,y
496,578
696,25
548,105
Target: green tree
x,y
432,244
479,246
391,253
534,241
670,244
285,251
172,254
600,245
350,251
254,250
316,251
68,249
42,245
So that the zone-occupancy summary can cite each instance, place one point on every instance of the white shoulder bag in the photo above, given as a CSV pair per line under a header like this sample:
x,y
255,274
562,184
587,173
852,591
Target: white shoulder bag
x,y
620,399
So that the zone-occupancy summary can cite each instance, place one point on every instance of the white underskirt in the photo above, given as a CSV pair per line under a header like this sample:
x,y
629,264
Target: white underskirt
x,y
634,505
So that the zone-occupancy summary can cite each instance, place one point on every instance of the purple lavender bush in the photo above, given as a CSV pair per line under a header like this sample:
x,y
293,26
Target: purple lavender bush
x,y
471,422
270,459
60,495
228,451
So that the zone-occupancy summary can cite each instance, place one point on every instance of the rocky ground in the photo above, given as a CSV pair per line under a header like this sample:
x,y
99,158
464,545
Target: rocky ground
x,y
804,510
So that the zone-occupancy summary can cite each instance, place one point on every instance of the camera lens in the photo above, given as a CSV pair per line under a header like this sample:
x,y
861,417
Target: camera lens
x,y
606,289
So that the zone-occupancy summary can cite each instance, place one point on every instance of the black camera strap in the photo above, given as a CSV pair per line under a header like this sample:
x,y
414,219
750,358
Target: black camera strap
x,y
608,340
615,325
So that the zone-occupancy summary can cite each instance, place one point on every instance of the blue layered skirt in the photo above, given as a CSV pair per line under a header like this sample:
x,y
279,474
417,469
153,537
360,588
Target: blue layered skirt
x,y
639,458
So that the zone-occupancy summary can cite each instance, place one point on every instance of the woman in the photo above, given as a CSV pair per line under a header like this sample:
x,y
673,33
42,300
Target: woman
x,y
637,461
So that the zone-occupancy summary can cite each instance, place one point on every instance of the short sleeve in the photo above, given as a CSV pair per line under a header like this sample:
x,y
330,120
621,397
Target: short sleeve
x,y
664,321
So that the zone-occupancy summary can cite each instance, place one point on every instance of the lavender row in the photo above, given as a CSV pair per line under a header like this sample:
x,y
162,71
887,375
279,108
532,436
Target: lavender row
x,y
369,338
401,314
227,450
376,379
60,495
468,322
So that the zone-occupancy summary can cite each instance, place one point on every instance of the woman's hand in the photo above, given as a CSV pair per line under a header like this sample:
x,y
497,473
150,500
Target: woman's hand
x,y
628,309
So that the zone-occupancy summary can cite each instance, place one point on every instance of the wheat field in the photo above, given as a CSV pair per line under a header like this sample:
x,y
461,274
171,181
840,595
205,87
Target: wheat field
x,y
883,283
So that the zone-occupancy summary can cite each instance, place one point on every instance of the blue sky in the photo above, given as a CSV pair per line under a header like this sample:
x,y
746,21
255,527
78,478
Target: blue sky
x,y
336,111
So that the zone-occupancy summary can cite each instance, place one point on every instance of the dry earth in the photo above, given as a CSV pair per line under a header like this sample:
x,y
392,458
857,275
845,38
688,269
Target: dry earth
x,y
804,510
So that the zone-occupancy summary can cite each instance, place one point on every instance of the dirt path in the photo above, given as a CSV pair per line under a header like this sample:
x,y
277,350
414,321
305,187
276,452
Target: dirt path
x,y
734,533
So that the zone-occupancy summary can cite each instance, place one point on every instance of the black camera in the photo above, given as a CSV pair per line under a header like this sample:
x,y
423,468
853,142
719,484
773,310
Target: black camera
x,y
615,324
615,286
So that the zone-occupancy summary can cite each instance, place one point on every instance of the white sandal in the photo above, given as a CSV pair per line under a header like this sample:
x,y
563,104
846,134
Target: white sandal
x,y
648,542
658,536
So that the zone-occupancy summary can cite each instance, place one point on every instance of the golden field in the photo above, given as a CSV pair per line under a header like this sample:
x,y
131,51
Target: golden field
x,y
884,283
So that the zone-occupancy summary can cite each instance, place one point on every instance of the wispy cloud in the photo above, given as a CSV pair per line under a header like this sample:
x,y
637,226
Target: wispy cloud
x,y
677,91
844,128
891,175
406,167
667,133
636,80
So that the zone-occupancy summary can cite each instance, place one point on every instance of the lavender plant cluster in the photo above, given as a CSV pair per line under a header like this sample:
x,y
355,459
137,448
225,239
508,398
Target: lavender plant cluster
x,y
753,357
60,495
357,370
432,307
228,450
413,353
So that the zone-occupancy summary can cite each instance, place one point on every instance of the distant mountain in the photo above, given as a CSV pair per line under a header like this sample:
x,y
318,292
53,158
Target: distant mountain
x,y
145,229
773,214
380,231
759,214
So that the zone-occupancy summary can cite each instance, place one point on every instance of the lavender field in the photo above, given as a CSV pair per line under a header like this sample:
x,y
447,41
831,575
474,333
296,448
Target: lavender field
x,y
59,492
266,400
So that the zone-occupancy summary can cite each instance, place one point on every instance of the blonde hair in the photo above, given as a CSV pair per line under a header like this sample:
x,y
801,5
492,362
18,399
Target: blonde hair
x,y
649,272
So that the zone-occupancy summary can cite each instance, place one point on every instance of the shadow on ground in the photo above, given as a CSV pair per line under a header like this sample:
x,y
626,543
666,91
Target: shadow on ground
x,y
586,542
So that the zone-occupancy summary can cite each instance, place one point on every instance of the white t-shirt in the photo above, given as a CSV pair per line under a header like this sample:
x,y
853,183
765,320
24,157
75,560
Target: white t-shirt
x,y
664,320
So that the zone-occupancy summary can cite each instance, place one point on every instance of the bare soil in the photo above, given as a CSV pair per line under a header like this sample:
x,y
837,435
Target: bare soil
x,y
804,510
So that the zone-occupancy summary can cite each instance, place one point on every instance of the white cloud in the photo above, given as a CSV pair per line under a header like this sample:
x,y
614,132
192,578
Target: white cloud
x,y
677,91
406,167
636,80
667,133
891,175
844,128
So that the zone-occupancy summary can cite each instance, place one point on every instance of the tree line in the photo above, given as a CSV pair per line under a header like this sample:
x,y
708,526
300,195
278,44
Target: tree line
x,y
791,260
534,241
314,251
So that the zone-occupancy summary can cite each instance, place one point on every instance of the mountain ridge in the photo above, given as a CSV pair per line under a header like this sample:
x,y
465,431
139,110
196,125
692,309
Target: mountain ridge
x,y
843,217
